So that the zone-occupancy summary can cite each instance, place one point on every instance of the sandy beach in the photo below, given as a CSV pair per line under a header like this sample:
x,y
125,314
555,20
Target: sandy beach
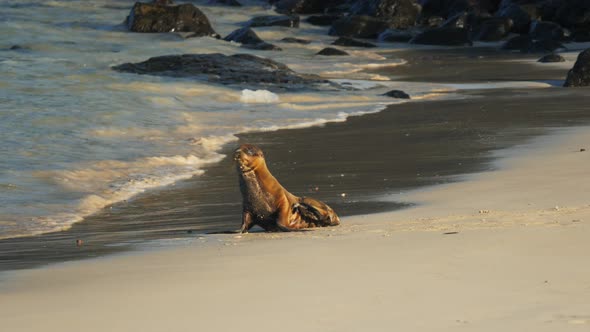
x,y
463,198
505,250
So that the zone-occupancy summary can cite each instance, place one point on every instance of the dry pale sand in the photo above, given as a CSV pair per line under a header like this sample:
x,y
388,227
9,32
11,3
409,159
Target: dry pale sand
x,y
517,262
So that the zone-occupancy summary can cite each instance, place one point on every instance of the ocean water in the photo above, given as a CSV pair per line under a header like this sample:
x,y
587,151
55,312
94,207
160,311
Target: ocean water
x,y
76,136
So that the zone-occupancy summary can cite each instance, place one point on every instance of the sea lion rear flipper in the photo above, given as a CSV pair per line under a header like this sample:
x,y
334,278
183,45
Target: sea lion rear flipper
x,y
316,212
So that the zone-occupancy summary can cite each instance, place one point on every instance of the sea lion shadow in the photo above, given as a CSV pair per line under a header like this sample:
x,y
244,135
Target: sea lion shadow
x,y
256,231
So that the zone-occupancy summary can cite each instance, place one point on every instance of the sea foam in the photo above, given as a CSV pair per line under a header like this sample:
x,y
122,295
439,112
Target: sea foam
x,y
258,96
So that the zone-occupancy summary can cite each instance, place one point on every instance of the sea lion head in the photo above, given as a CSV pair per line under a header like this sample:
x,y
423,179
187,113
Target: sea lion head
x,y
248,158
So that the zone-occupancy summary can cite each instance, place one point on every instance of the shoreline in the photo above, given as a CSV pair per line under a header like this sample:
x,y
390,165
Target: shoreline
x,y
522,267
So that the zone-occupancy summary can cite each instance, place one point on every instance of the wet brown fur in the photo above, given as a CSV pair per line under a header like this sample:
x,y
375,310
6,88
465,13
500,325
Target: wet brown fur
x,y
267,204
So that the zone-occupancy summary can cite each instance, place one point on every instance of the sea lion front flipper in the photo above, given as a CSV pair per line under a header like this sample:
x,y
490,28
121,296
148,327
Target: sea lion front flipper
x,y
316,212
246,222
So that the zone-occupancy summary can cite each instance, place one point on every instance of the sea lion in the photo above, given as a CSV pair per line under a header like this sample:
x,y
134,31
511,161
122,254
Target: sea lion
x,y
267,204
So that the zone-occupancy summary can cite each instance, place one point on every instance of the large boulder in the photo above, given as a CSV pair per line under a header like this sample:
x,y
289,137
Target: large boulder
x,y
579,75
358,26
400,14
155,17
443,36
239,69
290,21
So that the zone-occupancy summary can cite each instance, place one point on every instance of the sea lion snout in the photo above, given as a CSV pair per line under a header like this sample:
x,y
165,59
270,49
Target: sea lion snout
x,y
237,154
248,157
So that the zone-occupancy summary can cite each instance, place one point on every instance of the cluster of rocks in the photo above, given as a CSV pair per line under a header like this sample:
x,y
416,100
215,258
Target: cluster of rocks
x,y
527,26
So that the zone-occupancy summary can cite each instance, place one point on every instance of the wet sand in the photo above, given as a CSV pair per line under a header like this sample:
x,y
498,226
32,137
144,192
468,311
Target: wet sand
x,y
367,158
476,65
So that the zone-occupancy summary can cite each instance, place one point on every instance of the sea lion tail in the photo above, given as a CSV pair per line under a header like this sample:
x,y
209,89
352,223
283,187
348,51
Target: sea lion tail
x,y
316,212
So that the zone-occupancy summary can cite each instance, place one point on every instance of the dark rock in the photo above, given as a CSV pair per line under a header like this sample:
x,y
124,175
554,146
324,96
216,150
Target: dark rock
x,y
443,36
397,94
519,43
400,14
241,69
232,3
18,48
395,36
358,26
521,19
492,29
339,8
526,44
328,51
264,46
303,6
551,58
573,14
547,30
274,20
465,20
322,20
581,36
250,40
244,36
433,21
579,75
148,17
295,40
448,8
459,20
347,41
